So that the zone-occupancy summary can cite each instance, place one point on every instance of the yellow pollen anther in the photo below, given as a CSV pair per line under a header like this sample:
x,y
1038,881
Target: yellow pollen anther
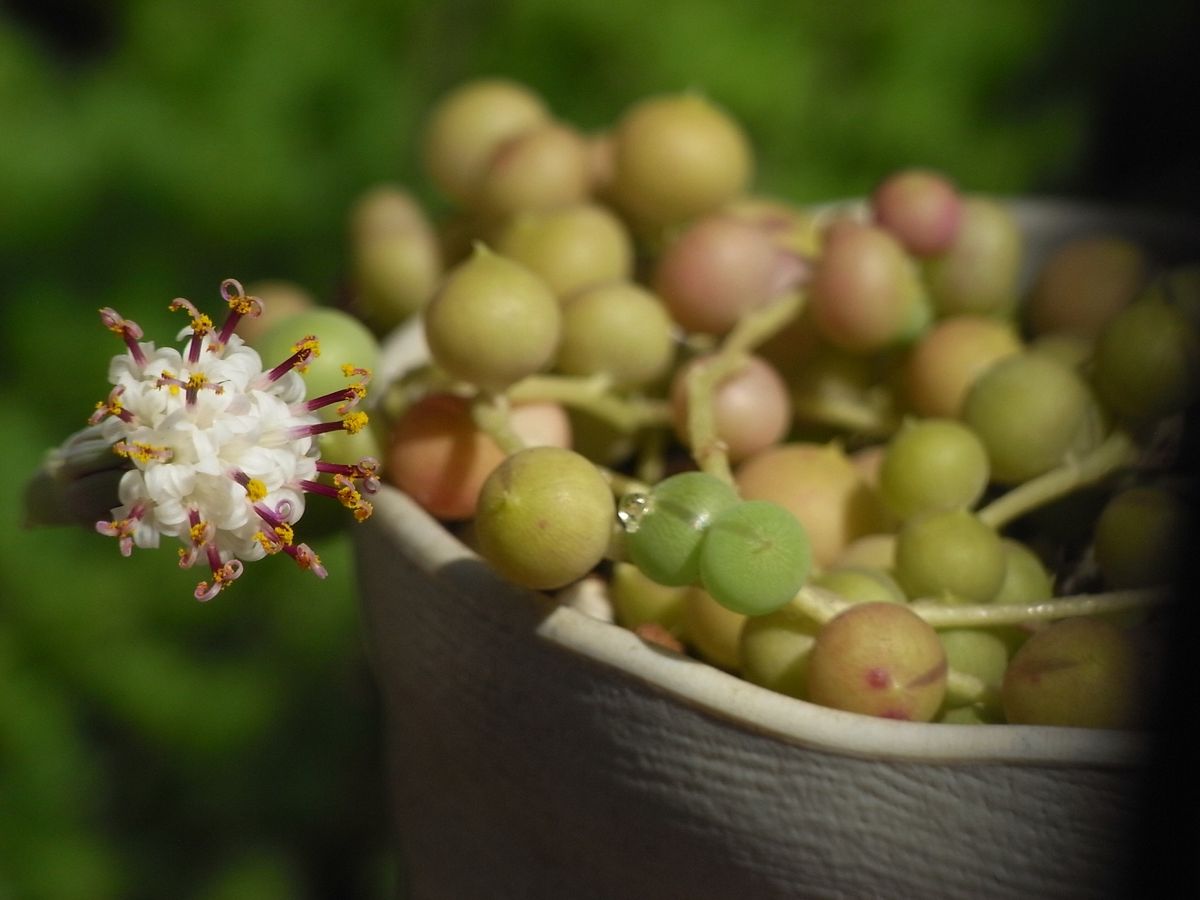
x,y
141,451
168,378
285,533
198,532
268,543
241,304
255,490
201,324
112,407
355,422
309,345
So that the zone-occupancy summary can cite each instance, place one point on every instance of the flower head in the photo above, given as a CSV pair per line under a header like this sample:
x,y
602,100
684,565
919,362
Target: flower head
x,y
221,452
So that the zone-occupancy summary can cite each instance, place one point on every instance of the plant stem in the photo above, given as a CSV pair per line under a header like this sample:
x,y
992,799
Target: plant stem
x,y
940,615
490,414
969,689
400,394
846,414
622,484
821,605
1117,451
755,327
592,395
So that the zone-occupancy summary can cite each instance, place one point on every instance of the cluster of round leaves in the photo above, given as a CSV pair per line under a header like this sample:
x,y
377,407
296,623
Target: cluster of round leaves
x,y
752,556
580,269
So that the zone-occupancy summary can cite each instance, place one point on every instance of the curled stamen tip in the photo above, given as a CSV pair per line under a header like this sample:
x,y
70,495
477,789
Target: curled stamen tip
x,y
184,303
115,529
111,529
114,321
306,559
231,289
241,303
222,578
205,591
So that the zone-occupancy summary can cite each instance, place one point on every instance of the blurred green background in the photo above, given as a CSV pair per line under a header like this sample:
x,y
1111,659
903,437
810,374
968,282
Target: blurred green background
x,y
151,746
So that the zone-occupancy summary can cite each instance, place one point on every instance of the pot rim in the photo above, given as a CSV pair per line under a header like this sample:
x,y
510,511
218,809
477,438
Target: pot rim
x,y
734,700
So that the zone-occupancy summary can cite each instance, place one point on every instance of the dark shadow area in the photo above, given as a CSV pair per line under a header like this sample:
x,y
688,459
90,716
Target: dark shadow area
x,y
1133,66
74,31
1137,63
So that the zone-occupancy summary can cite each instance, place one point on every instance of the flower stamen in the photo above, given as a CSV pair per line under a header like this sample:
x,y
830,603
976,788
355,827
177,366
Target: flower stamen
x,y
111,407
200,533
351,394
352,424
224,574
195,383
345,492
302,352
122,529
306,559
365,470
240,305
129,331
279,538
201,325
143,452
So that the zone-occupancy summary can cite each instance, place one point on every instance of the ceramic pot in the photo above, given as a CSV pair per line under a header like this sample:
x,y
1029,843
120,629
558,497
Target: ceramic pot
x,y
537,752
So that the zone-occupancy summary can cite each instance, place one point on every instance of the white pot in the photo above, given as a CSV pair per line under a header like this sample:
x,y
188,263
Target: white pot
x,y
536,752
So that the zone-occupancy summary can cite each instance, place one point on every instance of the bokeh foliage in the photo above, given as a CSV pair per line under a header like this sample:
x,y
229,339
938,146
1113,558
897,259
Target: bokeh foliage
x,y
151,746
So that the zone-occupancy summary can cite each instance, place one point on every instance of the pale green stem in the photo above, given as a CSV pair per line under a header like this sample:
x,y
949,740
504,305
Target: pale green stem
x,y
708,449
490,412
1117,451
762,324
819,604
941,615
858,418
622,484
651,463
755,327
592,395
822,605
416,383
965,688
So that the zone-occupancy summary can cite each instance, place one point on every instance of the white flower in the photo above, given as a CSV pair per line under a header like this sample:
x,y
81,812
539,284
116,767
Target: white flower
x,y
221,452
